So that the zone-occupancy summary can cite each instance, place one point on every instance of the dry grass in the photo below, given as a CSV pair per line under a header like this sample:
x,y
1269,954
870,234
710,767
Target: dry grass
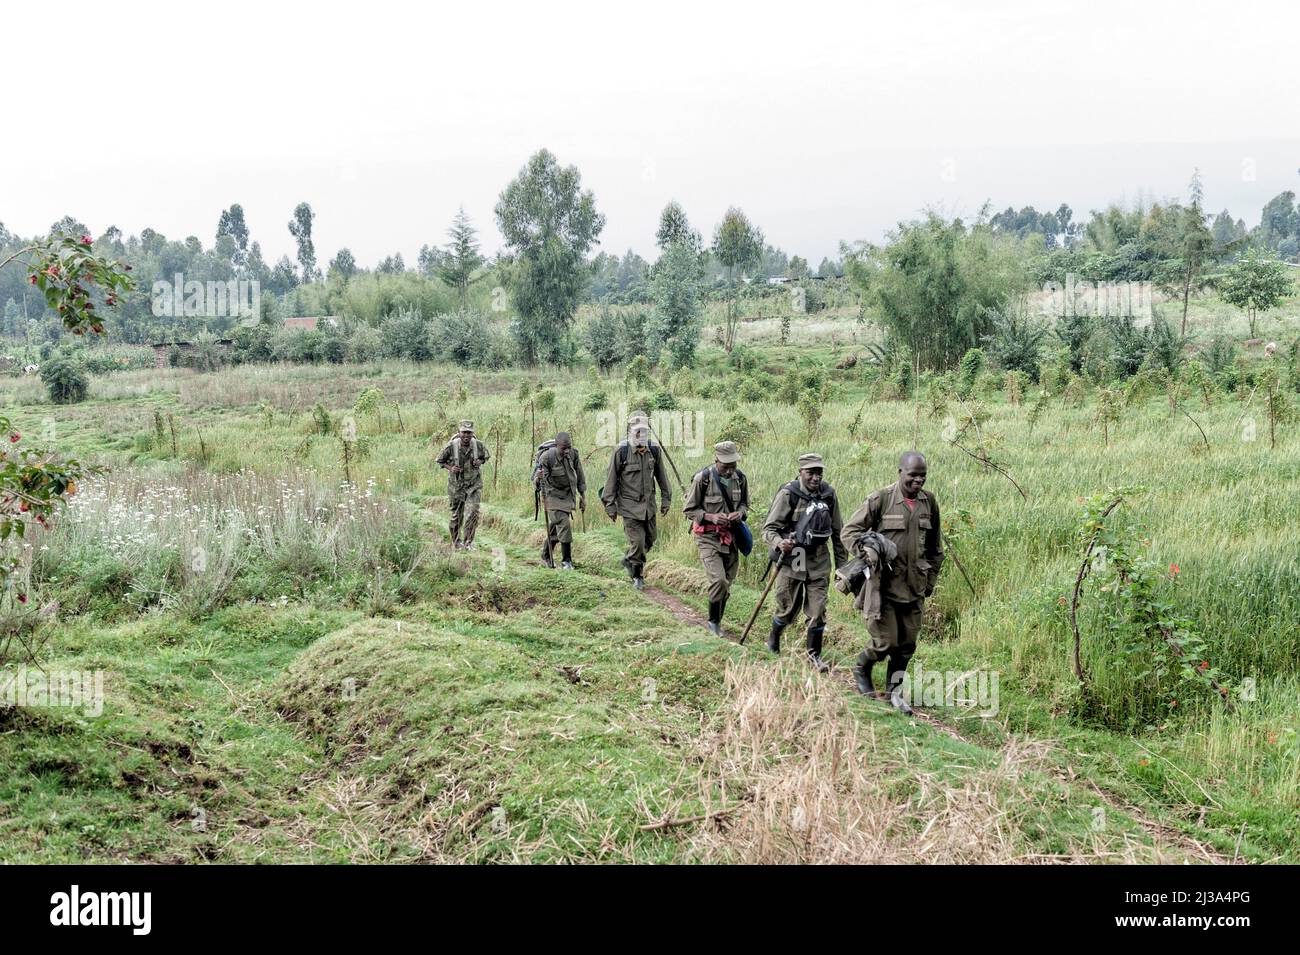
x,y
802,780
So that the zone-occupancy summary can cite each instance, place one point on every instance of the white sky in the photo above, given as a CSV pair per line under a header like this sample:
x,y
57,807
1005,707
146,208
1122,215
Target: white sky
x,y
823,121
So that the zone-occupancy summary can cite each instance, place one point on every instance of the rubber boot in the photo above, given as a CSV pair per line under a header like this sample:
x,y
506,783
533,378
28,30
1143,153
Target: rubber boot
x,y
895,677
774,638
566,552
815,649
862,675
715,614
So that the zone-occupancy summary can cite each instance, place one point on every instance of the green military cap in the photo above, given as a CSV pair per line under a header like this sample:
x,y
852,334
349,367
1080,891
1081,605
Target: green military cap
x,y
810,461
725,452
467,426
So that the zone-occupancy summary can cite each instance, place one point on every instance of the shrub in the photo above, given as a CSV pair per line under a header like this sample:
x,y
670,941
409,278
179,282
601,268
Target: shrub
x,y
65,380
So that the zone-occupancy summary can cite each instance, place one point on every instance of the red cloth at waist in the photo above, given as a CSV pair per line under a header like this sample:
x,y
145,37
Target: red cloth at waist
x,y
722,530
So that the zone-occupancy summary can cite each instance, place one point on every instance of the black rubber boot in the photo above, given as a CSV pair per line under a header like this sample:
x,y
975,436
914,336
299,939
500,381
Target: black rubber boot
x,y
862,675
897,700
774,638
715,615
815,649
566,554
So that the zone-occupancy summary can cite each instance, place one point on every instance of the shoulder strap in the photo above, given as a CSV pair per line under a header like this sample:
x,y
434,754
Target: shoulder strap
x,y
726,497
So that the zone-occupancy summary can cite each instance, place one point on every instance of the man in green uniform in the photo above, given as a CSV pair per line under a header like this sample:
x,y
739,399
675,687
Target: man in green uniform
x,y
629,492
559,477
908,516
716,504
803,527
463,459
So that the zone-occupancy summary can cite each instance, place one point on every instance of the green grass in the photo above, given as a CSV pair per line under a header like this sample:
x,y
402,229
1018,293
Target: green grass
x,y
468,738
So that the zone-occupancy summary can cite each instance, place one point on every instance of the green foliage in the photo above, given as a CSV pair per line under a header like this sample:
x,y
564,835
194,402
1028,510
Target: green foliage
x,y
968,369
1015,343
677,288
70,274
595,401
740,429
549,223
65,380
1257,283
936,284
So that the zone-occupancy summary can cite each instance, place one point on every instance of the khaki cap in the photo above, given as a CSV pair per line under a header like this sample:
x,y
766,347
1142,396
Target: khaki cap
x,y
467,426
810,461
726,452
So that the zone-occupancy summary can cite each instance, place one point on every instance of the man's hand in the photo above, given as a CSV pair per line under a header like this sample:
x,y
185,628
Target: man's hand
x,y
733,517
455,469
786,545
582,502
663,508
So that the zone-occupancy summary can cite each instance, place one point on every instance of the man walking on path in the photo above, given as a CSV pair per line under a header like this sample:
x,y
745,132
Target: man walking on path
x,y
560,479
463,459
629,492
802,528
716,504
909,517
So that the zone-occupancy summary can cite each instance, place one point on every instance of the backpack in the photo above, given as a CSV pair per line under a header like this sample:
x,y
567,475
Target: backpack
x,y
541,453
815,526
624,450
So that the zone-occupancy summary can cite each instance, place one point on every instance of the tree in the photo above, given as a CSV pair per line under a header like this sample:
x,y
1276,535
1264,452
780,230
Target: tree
x,y
798,268
936,285
343,265
677,286
675,228
738,246
300,229
462,258
1256,283
391,265
232,224
550,224
65,380
1191,245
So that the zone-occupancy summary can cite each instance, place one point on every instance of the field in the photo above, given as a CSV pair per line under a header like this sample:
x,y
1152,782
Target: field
x,y
297,670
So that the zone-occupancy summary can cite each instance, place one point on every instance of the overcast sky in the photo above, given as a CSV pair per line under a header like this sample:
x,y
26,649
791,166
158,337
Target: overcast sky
x,y
823,121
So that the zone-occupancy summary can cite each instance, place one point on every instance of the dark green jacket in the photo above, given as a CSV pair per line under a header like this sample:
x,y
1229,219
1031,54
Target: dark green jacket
x,y
915,533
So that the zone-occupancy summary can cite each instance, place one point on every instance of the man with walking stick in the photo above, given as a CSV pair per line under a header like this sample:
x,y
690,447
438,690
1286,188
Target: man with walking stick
x,y
802,529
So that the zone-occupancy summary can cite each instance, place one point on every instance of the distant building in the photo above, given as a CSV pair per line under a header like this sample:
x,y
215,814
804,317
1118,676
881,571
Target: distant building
x,y
309,323
162,349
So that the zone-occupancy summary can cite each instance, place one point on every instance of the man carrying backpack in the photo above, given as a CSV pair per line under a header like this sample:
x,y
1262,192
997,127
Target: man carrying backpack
x,y
558,476
716,506
463,459
803,527
909,518
629,492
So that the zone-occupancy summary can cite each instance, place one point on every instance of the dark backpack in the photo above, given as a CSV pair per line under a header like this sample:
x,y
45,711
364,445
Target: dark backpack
x,y
541,453
815,526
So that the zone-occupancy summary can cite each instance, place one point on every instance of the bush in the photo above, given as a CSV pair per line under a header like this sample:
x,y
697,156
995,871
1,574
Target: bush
x,y
65,380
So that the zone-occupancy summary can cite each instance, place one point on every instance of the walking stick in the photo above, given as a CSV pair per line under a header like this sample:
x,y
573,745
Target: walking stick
x,y
664,448
762,599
